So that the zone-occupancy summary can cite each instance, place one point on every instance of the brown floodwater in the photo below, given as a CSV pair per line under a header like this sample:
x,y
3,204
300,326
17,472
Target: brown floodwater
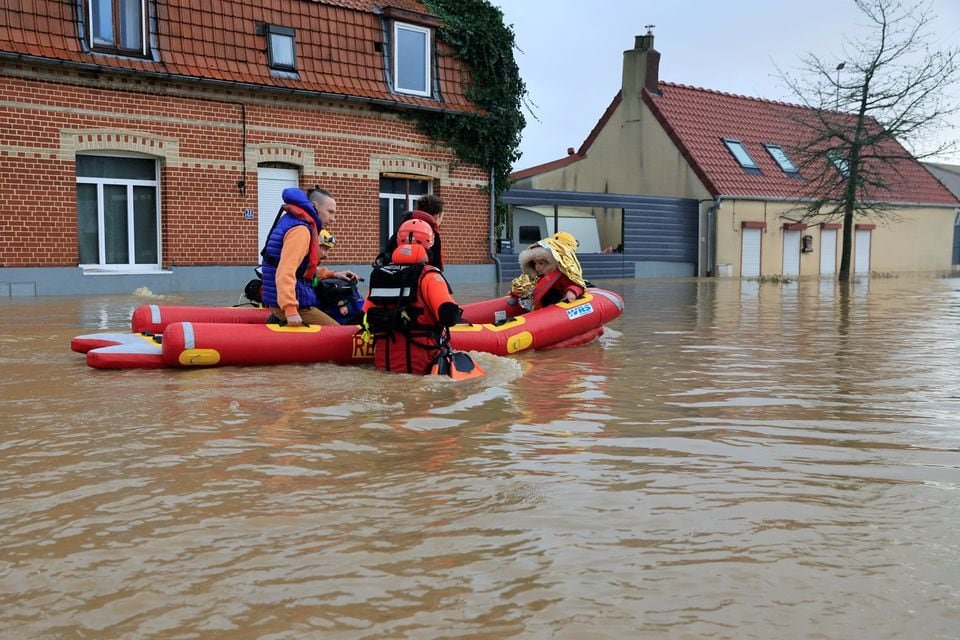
x,y
731,460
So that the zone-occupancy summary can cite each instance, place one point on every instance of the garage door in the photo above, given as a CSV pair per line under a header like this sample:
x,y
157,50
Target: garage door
x,y
270,186
861,263
828,252
750,252
791,252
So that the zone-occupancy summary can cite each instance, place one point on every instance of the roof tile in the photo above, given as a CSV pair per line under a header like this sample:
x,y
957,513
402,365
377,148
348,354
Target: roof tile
x,y
699,119
218,40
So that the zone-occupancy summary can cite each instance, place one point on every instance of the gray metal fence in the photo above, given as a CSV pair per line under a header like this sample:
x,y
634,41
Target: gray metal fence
x,y
659,234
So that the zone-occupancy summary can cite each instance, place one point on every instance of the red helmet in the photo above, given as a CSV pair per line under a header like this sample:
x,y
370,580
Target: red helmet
x,y
415,232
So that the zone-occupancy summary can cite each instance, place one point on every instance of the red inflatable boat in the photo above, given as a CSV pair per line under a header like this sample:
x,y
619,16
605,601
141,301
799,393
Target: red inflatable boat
x,y
204,339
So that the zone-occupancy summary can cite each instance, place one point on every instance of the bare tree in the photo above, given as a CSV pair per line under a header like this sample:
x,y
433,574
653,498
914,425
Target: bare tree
x,y
889,87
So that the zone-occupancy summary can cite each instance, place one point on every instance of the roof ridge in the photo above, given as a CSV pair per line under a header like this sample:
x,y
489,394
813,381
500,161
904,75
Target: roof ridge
x,y
734,95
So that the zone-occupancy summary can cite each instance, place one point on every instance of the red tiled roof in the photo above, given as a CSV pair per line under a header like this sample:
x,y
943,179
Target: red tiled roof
x,y
699,119
217,40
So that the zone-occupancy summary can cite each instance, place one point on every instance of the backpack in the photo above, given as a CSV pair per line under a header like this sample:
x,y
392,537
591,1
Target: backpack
x,y
394,291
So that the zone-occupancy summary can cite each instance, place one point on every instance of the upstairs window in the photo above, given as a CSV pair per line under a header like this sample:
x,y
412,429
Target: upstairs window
x,y
740,153
412,55
839,162
118,26
782,159
281,48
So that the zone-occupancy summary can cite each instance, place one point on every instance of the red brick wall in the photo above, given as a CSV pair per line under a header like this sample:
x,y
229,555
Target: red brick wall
x,y
200,134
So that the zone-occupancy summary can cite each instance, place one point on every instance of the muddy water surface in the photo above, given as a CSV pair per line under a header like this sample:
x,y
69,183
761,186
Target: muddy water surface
x,y
732,460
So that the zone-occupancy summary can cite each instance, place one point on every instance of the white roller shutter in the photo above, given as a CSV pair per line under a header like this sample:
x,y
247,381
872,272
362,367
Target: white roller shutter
x,y
270,186
828,252
791,252
750,252
861,262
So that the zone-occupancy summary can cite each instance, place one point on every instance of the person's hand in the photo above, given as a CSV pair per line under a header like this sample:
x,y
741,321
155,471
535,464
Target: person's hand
x,y
345,275
294,320
570,296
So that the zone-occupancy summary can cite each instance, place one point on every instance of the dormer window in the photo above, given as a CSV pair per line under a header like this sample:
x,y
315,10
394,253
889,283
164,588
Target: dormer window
x,y
281,48
412,54
117,26
741,155
782,159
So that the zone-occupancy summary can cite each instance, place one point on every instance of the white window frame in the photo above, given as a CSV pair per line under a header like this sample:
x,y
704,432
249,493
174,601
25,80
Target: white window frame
x,y
129,267
117,29
427,59
392,215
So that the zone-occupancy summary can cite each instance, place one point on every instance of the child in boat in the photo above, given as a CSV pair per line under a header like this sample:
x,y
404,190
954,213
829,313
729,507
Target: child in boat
x,y
551,273
337,297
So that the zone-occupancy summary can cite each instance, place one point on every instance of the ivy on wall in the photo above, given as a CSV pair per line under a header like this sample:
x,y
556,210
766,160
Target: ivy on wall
x,y
475,30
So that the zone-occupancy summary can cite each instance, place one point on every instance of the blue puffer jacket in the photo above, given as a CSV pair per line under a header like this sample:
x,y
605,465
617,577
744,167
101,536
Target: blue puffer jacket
x,y
306,296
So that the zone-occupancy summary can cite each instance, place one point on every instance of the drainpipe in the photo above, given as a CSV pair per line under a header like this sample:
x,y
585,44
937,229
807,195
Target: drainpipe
x,y
493,230
717,203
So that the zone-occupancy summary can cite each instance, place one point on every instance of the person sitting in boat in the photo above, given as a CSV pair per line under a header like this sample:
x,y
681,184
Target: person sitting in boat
x,y
551,273
428,208
337,297
409,305
291,257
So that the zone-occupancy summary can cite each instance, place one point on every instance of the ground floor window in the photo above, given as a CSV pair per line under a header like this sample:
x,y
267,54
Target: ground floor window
x,y
118,212
397,196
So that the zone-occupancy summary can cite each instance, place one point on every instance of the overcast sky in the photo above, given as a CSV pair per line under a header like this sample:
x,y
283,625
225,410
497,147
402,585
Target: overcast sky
x,y
571,53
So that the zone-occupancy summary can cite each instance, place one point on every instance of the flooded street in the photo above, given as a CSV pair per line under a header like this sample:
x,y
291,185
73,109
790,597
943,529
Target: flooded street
x,y
732,460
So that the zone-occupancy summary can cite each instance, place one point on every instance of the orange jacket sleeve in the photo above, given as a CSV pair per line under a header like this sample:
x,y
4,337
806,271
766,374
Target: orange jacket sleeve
x,y
296,245
434,291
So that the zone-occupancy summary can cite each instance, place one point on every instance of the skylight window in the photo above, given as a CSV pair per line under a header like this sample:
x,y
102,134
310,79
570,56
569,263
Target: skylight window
x,y
281,47
839,162
742,156
780,157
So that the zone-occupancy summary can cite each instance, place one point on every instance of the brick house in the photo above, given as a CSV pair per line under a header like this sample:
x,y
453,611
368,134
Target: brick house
x,y
730,157
146,142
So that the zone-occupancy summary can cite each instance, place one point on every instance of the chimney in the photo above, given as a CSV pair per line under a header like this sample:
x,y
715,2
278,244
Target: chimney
x,y
641,65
